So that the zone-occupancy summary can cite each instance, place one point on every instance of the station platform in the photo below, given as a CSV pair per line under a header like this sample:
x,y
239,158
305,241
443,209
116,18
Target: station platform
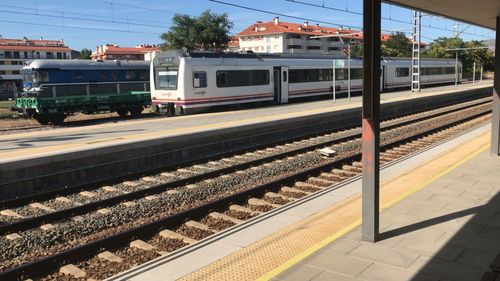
x,y
36,144
440,220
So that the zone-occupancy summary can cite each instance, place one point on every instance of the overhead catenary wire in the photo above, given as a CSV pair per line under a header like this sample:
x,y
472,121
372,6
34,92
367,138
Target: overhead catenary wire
x,y
323,6
79,14
281,14
76,18
134,6
78,27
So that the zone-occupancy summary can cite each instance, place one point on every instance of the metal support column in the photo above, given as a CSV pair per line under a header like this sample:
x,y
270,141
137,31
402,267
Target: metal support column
x,y
415,61
371,119
495,122
474,73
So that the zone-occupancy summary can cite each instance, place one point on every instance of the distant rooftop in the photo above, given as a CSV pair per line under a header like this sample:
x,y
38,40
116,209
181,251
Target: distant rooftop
x,y
276,26
25,44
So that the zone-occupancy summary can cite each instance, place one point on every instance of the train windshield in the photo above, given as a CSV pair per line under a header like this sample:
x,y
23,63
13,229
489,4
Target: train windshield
x,y
166,79
35,77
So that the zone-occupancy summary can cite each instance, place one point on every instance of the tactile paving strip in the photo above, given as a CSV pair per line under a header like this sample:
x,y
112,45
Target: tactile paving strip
x,y
263,259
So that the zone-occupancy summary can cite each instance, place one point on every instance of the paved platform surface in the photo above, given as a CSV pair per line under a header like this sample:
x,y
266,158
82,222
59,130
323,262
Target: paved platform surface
x,y
87,137
448,230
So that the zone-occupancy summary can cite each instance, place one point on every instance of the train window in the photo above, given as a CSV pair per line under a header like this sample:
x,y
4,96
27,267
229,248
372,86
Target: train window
x,y
356,73
315,75
166,79
103,75
45,76
340,74
143,75
130,75
200,79
115,75
284,76
78,74
239,78
402,71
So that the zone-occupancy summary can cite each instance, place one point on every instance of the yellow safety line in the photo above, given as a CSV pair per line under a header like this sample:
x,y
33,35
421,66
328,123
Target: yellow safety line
x,y
289,263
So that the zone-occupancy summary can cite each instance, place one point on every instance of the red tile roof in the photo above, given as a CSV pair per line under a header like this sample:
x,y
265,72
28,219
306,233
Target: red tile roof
x,y
234,42
262,28
33,45
271,27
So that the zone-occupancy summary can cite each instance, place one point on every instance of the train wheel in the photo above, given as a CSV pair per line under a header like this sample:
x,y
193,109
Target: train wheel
x,y
57,119
42,119
122,112
136,110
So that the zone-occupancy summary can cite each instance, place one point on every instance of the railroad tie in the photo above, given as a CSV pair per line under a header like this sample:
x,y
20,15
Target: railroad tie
x,y
47,227
104,211
88,194
63,199
41,207
198,225
276,195
148,179
169,234
139,244
260,202
301,184
344,173
351,168
184,170
129,203
294,190
321,182
238,208
331,177
108,188
357,164
217,215
72,270
11,213
108,256
130,183
13,236
167,174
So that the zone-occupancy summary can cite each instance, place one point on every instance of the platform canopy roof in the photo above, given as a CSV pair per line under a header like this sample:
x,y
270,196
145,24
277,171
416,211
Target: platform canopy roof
x,y
477,12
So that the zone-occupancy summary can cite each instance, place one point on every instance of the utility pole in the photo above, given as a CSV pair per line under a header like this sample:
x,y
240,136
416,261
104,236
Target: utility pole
x,y
474,73
456,68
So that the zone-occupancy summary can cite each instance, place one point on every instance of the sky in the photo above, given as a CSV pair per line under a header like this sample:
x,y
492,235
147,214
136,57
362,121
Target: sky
x,y
89,23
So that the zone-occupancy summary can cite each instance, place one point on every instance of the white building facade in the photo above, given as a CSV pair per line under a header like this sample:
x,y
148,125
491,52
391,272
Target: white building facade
x,y
285,37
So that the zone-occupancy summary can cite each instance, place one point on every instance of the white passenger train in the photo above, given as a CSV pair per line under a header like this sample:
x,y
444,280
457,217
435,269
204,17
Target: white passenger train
x,y
187,82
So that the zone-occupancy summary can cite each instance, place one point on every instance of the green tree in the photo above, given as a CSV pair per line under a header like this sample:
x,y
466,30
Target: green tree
x,y
209,31
357,50
439,48
85,54
398,45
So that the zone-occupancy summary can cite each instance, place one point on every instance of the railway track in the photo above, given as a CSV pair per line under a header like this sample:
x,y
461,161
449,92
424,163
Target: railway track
x,y
74,121
270,177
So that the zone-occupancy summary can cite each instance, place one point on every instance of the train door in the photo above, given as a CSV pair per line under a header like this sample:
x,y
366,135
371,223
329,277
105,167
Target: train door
x,y
277,84
284,84
382,78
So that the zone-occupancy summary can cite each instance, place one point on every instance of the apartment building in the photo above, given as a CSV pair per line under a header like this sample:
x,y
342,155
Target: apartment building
x,y
286,37
115,52
15,52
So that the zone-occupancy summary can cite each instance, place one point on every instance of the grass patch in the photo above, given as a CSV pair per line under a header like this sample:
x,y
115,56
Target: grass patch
x,y
5,108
